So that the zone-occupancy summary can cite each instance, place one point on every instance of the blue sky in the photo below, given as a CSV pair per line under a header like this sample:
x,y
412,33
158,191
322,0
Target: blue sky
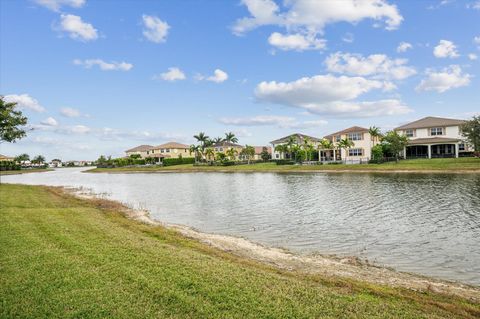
x,y
98,77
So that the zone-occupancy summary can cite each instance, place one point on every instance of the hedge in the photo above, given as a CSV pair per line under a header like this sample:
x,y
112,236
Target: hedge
x,y
9,166
284,162
178,161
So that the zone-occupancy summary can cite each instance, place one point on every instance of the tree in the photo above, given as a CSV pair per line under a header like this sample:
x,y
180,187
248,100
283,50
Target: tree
x,y
210,153
375,134
281,148
230,138
471,131
249,152
22,158
135,156
264,155
221,156
345,144
396,142
217,140
39,159
195,149
101,160
11,122
326,144
231,153
202,138
308,148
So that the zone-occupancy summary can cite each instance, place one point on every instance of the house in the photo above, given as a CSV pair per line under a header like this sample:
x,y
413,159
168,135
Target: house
x,y
259,150
140,150
6,158
360,151
434,137
169,150
223,147
55,163
297,138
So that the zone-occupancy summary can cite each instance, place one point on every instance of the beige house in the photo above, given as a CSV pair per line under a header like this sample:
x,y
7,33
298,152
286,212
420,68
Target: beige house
x,y
259,150
223,147
5,158
361,150
169,150
298,138
140,150
434,137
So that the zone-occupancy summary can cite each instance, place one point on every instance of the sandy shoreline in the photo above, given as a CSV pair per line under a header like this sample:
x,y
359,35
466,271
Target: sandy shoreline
x,y
329,266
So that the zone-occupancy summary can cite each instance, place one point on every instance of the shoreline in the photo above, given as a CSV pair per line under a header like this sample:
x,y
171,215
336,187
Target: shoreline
x,y
331,266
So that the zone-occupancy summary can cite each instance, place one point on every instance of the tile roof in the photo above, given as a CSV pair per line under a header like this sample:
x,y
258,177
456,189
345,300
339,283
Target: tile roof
x,y
298,137
140,148
226,144
353,129
171,145
430,121
259,149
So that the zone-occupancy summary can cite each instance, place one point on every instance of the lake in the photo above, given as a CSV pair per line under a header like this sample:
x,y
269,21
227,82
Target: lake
x,y
422,223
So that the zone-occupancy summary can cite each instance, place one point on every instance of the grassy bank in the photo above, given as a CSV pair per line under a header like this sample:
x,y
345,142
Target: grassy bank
x,y
25,171
65,257
426,165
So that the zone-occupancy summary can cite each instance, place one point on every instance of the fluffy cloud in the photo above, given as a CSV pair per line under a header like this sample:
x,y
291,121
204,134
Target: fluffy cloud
x,y
474,5
378,65
445,49
271,120
104,66
444,80
25,101
49,121
403,47
312,16
218,76
296,42
75,129
69,112
173,74
155,30
329,95
76,28
472,56
55,5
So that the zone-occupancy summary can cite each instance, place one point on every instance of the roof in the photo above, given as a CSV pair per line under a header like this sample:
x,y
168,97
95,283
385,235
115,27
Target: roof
x,y
353,129
226,144
259,149
298,137
430,121
140,148
433,140
5,157
171,145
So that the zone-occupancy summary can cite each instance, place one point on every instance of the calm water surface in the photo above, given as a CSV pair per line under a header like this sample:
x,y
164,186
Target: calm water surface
x,y
428,224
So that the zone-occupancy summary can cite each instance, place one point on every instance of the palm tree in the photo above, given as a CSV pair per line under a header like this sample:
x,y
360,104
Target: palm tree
x,y
194,149
326,145
202,138
281,148
308,148
345,144
210,153
231,153
230,138
22,158
217,140
249,152
375,134
39,159
291,145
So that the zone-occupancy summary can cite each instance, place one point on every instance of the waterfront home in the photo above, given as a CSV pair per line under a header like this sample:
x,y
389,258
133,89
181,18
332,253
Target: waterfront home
x,y
169,150
5,158
55,163
298,139
140,150
223,147
434,137
360,151
259,150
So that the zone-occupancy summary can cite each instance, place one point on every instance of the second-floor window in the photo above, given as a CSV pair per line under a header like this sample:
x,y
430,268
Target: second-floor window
x,y
409,133
436,131
355,136
338,138
355,152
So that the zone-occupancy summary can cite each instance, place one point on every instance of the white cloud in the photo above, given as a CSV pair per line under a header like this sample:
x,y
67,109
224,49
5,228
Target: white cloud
x,y
445,49
49,121
25,101
155,29
104,66
69,112
444,80
472,56
476,40
55,5
296,42
76,28
377,65
75,129
404,46
173,74
218,76
272,120
329,95
474,5
348,37
312,16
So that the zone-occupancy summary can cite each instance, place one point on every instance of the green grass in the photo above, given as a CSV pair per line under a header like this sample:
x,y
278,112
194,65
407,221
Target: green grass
x,y
64,257
25,171
440,165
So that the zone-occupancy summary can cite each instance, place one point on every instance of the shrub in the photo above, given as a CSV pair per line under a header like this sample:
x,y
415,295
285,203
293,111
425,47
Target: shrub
x,y
284,162
228,163
178,161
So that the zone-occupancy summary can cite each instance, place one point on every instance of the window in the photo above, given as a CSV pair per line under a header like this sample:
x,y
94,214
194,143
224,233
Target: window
x,y
277,155
167,150
409,133
461,147
162,150
355,136
355,152
338,138
436,131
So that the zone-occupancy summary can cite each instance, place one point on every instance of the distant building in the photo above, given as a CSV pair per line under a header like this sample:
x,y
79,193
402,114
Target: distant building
x,y
169,150
259,150
6,158
55,163
434,137
360,151
223,147
140,150
299,139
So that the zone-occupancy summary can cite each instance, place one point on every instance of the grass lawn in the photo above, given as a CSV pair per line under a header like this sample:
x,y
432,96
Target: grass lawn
x,y
25,171
441,164
65,257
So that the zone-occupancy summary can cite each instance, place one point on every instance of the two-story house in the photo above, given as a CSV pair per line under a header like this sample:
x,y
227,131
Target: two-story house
x,y
433,137
296,138
140,150
169,150
360,151
223,147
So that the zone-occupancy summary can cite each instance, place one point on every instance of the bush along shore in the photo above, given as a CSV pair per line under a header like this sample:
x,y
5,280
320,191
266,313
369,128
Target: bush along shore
x,y
62,256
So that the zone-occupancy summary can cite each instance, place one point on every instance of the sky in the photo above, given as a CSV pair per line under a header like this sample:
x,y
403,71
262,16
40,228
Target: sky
x,y
100,77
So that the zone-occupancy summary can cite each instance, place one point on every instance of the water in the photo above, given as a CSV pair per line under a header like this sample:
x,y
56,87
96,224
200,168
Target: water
x,y
427,224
